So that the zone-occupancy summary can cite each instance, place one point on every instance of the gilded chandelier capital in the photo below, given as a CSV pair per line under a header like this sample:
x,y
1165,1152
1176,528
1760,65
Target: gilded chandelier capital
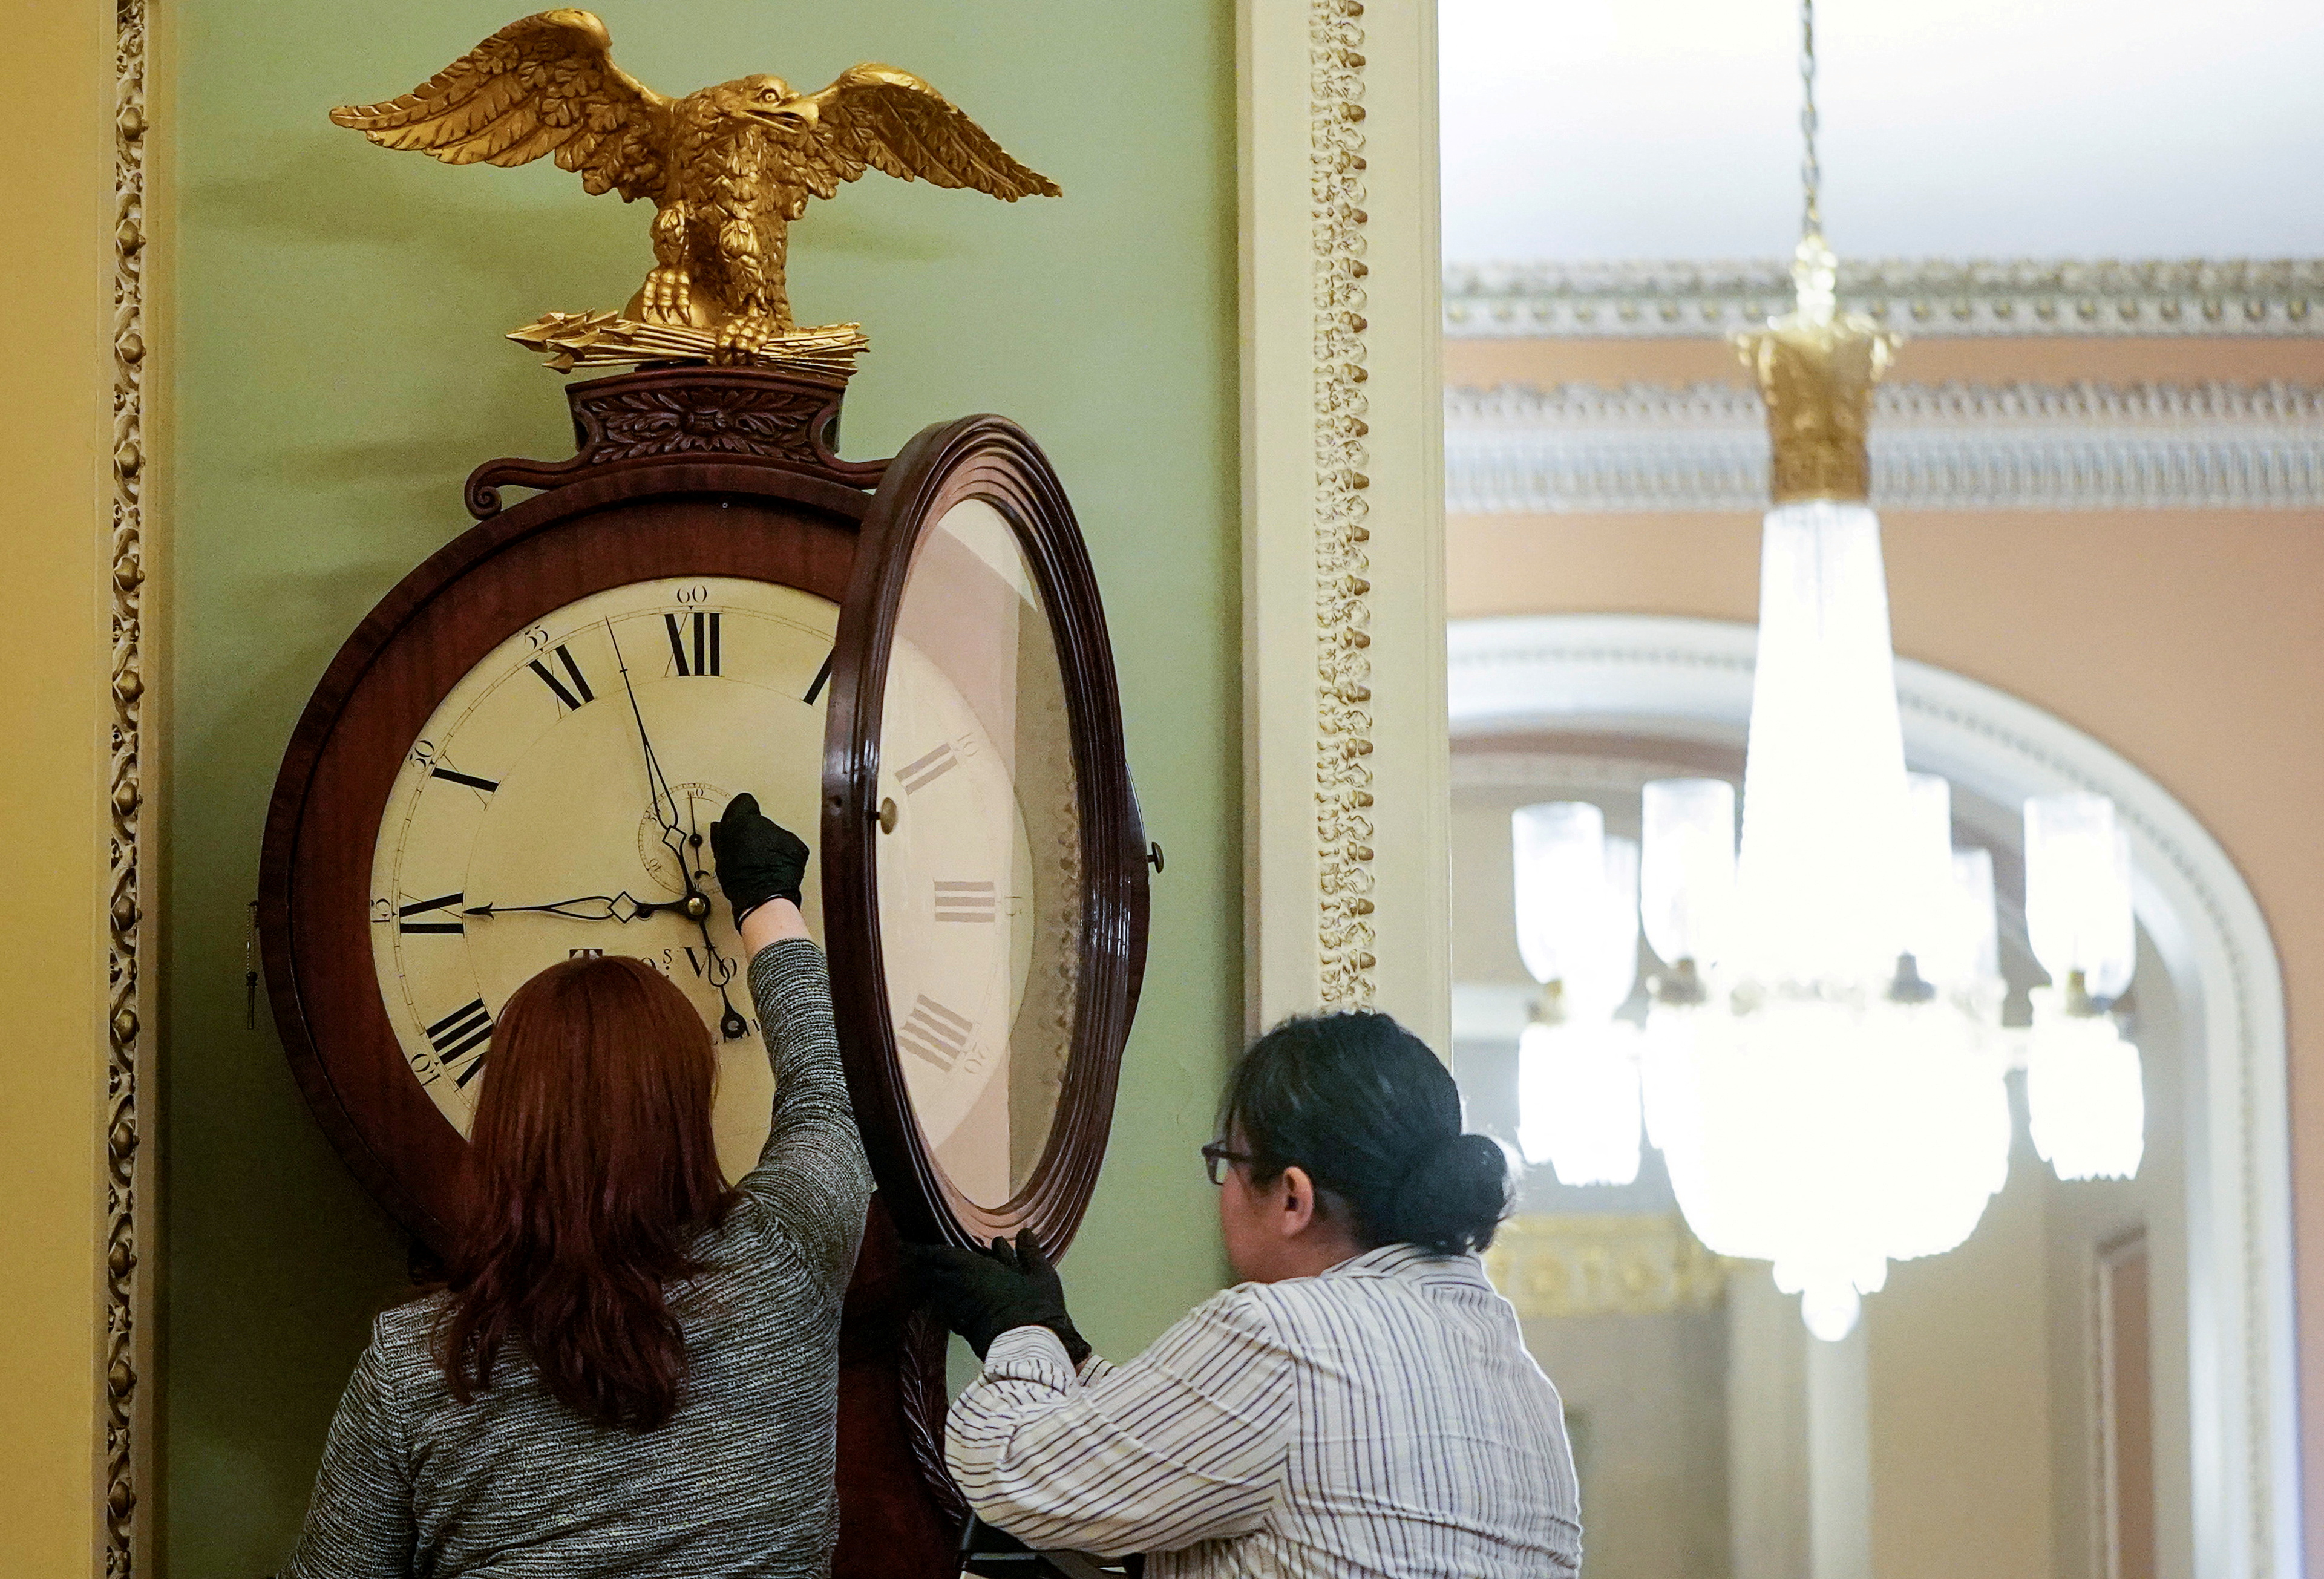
x,y
1816,367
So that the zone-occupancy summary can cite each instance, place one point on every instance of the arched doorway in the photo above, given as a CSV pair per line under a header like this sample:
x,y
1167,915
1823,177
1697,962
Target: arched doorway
x,y
1679,691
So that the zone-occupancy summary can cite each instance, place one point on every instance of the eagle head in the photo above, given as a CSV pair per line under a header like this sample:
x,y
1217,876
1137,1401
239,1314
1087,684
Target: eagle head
x,y
767,101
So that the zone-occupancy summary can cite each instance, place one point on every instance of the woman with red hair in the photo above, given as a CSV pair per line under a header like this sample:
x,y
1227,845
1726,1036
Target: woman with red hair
x,y
632,1368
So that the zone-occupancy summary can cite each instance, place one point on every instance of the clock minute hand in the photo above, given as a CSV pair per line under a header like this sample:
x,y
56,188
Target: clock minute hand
x,y
697,904
657,782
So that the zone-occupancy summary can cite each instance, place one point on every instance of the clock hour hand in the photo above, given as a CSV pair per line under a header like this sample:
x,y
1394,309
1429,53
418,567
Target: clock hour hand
x,y
595,907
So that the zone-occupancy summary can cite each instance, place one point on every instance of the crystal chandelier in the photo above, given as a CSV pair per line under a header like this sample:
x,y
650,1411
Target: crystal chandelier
x,y
1821,1062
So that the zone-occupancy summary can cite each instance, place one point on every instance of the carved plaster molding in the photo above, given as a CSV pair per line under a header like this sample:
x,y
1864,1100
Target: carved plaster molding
x,y
1935,447
1345,879
1925,297
125,1409
1603,1263
1343,725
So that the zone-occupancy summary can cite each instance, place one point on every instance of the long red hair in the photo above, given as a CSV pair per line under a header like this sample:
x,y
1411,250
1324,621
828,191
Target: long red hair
x,y
594,1168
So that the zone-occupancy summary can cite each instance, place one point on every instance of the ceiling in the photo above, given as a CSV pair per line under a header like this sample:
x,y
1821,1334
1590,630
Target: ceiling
x,y
1605,129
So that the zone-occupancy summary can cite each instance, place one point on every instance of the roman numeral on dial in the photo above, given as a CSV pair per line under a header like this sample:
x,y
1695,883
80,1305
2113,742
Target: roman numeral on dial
x,y
965,901
568,699
705,660
463,1034
934,1033
916,776
434,915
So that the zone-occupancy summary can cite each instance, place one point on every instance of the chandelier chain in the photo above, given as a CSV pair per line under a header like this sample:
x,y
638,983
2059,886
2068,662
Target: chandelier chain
x,y
1811,170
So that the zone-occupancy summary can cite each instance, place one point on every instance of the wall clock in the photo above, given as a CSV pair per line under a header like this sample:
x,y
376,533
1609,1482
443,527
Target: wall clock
x,y
516,757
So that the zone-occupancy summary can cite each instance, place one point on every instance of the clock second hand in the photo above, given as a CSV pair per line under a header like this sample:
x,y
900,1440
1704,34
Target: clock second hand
x,y
731,1024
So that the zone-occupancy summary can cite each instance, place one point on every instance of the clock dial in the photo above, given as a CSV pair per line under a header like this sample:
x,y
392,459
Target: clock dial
x,y
979,881
558,801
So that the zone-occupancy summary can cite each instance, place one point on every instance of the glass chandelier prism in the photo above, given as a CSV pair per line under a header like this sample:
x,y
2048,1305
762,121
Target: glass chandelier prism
x,y
1823,1062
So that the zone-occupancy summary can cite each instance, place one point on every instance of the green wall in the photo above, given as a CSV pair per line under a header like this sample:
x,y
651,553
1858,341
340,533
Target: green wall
x,y
338,370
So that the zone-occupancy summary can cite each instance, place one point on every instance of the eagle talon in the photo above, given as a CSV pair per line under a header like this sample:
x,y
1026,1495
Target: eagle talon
x,y
667,296
742,338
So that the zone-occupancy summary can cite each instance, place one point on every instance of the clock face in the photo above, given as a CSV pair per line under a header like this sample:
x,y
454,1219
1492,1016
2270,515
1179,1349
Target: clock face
x,y
979,880
558,802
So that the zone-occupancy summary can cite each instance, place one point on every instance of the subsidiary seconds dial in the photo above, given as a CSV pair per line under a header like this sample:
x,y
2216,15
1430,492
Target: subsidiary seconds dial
x,y
558,802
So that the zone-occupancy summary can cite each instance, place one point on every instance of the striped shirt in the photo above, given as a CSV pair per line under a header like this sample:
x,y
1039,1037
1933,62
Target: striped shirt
x,y
1382,1419
514,1485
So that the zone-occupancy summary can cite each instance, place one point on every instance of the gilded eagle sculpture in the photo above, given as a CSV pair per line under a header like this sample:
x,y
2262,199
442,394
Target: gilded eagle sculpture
x,y
727,169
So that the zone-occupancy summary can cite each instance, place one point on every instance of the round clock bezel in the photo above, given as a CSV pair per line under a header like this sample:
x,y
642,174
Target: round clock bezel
x,y
991,460
640,524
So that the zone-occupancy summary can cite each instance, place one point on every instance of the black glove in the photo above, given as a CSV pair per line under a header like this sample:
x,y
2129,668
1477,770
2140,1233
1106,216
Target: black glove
x,y
983,1293
756,858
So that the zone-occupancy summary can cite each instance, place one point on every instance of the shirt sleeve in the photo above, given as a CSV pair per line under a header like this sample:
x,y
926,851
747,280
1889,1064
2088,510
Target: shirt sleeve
x,y
1189,1442
359,1525
812,1182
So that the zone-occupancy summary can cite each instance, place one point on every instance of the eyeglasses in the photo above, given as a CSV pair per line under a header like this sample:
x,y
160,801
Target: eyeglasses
x,y
1217,1155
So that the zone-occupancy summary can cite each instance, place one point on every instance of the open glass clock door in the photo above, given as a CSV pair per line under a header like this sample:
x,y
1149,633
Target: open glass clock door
x,y
985,866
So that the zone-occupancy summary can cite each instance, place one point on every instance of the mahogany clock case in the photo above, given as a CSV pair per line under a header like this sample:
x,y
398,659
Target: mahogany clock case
x,y
698,471
687,472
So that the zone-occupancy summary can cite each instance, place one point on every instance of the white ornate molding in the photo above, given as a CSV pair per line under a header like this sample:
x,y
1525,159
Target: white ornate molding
x,y
1925,297
1688,678
1603,1263
1935,447
1345,832
1344,742
126,1408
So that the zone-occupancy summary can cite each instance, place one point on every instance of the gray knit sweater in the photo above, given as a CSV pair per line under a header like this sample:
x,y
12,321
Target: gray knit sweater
x,y
738,1482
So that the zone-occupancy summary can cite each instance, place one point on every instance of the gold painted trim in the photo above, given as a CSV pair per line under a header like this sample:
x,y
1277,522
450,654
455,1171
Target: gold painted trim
x,y
1555,1265
1343,725
126,1408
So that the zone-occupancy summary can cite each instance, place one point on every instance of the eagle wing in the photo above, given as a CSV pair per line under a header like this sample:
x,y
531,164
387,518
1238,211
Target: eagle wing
x,y
546,84
877,117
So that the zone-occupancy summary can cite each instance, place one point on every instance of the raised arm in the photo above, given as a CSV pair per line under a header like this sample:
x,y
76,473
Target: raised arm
x,y
812,1183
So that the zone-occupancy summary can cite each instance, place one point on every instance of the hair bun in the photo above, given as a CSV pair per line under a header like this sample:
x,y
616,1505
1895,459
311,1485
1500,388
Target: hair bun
x,y
1374,1118
1452,1195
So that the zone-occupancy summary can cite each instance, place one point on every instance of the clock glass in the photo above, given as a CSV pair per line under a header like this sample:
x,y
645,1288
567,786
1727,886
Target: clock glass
x,y
979,873
558,802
